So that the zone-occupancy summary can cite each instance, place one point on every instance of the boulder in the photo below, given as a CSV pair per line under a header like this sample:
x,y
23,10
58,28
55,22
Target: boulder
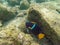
x,y
24,4
5,14
48,19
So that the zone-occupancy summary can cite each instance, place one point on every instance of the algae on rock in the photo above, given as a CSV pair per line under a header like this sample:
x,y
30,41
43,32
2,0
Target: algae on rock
x,y
48,20
24,4
5,14
12,35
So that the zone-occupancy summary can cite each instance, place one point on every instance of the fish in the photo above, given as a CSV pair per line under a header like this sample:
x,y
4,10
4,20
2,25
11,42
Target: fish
x,y
35,29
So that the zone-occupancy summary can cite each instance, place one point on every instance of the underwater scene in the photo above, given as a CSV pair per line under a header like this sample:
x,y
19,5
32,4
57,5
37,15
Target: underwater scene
x,y
29,22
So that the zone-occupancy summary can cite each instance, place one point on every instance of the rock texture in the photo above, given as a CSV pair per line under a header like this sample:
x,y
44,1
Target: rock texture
x,y
48,19
5,14
12,35
24,4
13,32
13,18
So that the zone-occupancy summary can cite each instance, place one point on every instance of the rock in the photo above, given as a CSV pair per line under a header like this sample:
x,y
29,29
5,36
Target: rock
x,y
22,14
34,43
5,14
28,37
12,35
0,23
15,32
7,39
26,43
24,4
21,37
48,19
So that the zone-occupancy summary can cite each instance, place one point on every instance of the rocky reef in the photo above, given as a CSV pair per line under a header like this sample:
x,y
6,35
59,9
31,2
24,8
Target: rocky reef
x,y
47,18
13,33
5,14
14,15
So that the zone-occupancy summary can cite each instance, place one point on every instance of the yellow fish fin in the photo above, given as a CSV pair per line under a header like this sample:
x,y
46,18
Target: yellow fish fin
x,y
41,36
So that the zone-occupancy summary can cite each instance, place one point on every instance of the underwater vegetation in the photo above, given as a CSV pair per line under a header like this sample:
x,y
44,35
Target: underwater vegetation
x,y
15,13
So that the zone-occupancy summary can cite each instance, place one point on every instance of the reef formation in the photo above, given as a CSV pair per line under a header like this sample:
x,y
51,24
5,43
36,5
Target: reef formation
x,y
15,13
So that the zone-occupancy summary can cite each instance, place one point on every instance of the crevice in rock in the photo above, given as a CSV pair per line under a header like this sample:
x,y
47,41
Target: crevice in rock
x,y
35,16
